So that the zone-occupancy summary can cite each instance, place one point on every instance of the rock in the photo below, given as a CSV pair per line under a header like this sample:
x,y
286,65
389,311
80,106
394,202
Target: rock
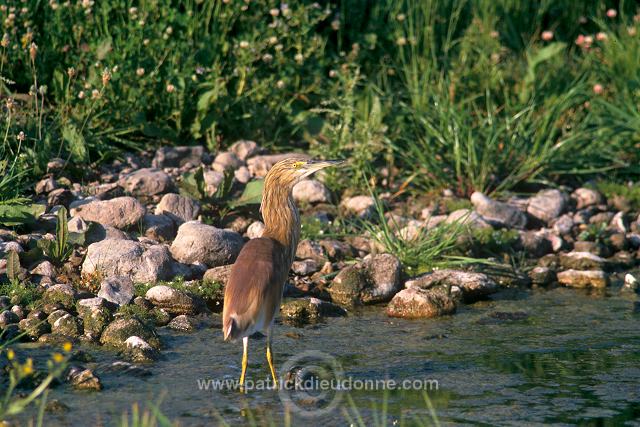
x,y
119,330
160,228
55,315
45,268
470,285
242,175
6,247
174,301
384,274
498,213
259,165
197,242
582,261
212,180
179,208
77,225
184,323
563,225
583,279
311,191
630,283
467,217
60,197
84,379
146,182
7,318
601,218
348,286
226,161
178,156
219,274
96,315
244,149
361,206
547,205
139,351
586,197
587,246
56,165
98,232
305,267
62,294
535,244
255,230
33,327
619,223
619,241
128,258
310,249
68,326
117,289
414,303
336,250
46,185
542,275
302,311
18,311
121,212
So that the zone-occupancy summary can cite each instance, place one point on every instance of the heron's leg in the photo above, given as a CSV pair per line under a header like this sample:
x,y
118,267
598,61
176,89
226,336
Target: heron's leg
x,y
270,359
245,348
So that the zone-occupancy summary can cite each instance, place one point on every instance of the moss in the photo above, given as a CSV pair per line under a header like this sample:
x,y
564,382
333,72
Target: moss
x,y
485,242
612,189
22,293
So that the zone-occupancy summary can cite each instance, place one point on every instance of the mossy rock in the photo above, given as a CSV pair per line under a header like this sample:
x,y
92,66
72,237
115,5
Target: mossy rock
x,y
117,332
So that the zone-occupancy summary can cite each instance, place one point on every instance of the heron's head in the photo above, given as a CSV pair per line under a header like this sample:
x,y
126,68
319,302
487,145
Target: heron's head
x,y
289,172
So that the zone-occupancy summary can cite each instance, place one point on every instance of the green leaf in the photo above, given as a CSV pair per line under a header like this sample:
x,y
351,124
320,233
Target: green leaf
x,y
62,231
193,184
252,194
13,265
75,142
17,214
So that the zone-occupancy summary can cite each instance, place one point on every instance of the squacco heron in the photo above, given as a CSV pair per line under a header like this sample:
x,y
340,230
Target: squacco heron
x,y
254,290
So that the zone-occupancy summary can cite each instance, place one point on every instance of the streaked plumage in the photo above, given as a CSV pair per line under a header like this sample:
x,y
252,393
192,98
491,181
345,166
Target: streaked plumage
x,y
254,289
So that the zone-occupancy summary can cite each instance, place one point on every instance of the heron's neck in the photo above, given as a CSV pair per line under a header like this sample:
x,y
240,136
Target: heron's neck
x,y
281,217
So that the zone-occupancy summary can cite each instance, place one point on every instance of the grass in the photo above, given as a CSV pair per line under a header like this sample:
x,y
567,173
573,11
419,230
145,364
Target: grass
x,y
442,94
21,293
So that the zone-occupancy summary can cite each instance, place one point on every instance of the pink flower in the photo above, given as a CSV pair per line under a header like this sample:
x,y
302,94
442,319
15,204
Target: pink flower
x,y
598,89
580,40
601,36
547,35
612,13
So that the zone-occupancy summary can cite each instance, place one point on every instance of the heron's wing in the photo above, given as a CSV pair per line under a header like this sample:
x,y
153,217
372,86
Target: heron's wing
x,y
254,289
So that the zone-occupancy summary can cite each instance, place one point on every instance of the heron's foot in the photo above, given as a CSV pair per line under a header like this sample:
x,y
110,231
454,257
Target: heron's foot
x,y
272,368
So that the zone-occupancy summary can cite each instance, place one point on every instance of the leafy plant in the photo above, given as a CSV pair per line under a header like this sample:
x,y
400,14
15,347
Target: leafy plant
x,y
14,214
61,247
13,265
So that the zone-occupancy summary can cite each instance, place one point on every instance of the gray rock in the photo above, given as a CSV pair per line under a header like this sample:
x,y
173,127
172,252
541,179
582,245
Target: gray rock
x,y
46,185
160,228
219,274
62,294
178,156
212,180
140,351
259,165
469,285
174,301
179,208
310,249
117,289
98,232
619,223
547,205
84,379
184,323
563,225
601,218
6,247
77,225
226,161
360,206
68,326
535,244
60,197
583,279
121,212
45,268
305,267
255,230
242,175
197,242
119,330
384,274
146,182
417,302
7,318
244,149
96,315
311,191
34,327
467,217
498,213
299,312
586,197
582,261
374,281
55,315
128,258
542,275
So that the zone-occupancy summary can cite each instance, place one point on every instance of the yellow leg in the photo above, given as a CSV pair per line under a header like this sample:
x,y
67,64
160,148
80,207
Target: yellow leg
x,y
245,360
270,360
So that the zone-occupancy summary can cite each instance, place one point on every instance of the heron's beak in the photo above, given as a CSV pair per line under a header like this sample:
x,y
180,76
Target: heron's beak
x,y
313,166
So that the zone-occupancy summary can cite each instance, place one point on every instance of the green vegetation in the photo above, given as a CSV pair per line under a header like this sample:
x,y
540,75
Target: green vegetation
x,y
22,293
469,95
611,190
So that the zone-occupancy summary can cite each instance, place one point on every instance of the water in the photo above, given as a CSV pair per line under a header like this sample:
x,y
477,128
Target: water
x,y
558,356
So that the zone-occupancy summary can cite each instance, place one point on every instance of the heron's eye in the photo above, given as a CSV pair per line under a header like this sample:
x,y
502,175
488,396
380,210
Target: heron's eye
x,y
298,165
